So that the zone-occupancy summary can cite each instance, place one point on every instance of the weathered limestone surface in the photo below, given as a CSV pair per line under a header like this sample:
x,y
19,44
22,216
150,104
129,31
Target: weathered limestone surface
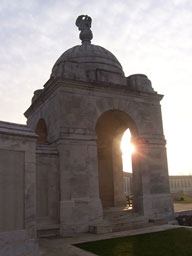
x,y
11,190
17,190
47,192
80,203
17,243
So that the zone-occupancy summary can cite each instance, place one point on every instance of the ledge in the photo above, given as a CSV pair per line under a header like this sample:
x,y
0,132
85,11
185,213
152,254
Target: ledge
x,y
16,130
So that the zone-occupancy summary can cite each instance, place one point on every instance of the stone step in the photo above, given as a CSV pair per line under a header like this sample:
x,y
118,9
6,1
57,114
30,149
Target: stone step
x,y
101,228
48,231
158,221
120,221
116,217
131,226
127,220
118,214
121,226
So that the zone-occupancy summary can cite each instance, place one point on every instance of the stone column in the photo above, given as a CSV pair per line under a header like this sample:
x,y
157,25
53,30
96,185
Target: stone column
x,y
137,180
119,195
80,205
105,169
153,179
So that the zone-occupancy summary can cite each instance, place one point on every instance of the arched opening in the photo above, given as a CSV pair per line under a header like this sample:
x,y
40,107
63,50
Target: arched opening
x,y
41,130
110,128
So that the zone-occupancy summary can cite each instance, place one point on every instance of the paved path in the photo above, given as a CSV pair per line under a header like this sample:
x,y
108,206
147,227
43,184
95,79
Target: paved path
x,y
64,246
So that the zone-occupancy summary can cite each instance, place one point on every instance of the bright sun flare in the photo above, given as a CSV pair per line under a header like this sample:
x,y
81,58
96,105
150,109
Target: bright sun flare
x,y
126,146
127,149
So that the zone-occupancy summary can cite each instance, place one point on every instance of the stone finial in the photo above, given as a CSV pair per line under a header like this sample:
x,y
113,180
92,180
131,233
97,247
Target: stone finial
x,y
83,22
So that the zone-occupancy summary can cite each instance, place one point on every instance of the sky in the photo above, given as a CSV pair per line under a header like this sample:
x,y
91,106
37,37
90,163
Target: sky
x,y
152,37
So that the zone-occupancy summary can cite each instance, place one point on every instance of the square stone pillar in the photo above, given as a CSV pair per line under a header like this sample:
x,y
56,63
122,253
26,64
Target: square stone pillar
x,y
153,193
80,204
119,194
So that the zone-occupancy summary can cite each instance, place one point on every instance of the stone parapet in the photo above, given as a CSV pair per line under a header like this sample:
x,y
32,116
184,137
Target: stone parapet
x,y
16,130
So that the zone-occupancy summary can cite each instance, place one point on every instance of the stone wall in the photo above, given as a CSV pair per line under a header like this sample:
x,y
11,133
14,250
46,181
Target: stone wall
x,y
17,189
11,190
47,186
17,243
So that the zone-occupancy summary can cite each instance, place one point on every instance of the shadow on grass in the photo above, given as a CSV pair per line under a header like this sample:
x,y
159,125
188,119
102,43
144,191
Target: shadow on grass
x,y
174,242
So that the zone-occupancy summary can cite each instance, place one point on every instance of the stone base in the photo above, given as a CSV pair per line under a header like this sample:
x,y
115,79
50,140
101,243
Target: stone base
x,y
76,215
158,221
17,243
100,228
158,206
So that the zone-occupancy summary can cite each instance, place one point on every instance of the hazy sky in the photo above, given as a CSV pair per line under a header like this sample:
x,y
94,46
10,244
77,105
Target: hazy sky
x,y
153,37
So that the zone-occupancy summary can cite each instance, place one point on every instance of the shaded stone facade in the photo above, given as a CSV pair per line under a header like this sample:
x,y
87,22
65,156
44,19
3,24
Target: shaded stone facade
x,y
17,190
73,167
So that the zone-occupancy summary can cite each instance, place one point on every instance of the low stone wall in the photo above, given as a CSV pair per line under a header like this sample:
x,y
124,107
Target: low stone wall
x,y
184,218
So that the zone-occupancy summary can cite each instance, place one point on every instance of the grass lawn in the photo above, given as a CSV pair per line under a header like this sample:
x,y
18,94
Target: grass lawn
x,y
174,242
186,200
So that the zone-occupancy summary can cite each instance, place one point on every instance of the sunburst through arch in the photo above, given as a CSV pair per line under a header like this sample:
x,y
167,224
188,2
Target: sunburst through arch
x,y
127,149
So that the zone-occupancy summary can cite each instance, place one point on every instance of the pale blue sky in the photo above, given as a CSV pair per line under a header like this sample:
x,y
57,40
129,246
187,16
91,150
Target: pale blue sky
x,y
147,36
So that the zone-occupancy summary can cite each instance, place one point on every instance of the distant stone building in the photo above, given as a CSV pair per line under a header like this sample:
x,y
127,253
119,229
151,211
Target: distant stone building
x,y
178,184
64,168
128,183
181,184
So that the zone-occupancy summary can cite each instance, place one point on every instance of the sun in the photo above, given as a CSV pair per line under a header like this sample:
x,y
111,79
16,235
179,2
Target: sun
x,y
132,148
126,146
127,149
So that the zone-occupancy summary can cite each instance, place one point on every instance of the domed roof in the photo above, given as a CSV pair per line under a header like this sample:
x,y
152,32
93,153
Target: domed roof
x,y
88,61
88,57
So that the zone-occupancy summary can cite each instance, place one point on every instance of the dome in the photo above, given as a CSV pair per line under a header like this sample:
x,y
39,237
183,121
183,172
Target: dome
x,y
89,57
88,62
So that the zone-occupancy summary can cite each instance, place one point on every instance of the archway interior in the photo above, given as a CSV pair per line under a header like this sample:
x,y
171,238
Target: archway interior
x,y
110,128
41,130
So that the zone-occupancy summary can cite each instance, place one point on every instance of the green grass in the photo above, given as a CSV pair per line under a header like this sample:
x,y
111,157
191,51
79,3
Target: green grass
x,y
187,200
174,242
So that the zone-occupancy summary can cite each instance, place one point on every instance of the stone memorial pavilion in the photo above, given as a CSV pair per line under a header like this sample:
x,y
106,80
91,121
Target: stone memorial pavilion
x,y
61,172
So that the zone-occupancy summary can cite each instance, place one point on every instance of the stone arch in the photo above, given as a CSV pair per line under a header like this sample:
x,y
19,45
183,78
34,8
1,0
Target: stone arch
x,y
121,106
110,127
41,130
